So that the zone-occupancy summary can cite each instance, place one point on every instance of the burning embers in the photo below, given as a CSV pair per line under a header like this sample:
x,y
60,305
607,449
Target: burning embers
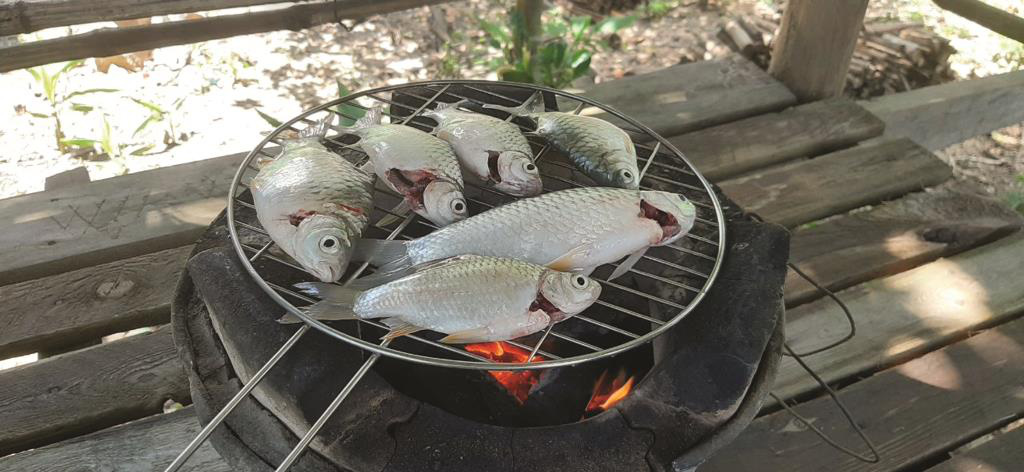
x,y
608,391
517,382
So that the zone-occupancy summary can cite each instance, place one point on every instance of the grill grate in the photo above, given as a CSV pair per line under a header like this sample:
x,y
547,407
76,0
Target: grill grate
x,y
686,268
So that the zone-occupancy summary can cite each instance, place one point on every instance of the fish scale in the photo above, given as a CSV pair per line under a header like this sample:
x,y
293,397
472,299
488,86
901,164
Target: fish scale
x,y
402,147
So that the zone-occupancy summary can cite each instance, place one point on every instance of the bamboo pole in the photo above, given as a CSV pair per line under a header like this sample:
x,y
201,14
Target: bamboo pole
x,y
990,17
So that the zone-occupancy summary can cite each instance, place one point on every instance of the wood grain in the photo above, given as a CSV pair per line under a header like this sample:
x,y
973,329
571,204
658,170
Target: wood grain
x,y
55,312
688,97
807,190
1003,452
146,445
924,407
113,41
815,43
907,314
893,237
807,130
940,115
87,390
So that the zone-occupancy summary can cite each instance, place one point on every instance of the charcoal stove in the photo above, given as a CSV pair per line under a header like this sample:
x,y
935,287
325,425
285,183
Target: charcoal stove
x,y
703,353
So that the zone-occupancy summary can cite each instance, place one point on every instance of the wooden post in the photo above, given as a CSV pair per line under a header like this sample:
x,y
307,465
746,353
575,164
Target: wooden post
x,y
815,44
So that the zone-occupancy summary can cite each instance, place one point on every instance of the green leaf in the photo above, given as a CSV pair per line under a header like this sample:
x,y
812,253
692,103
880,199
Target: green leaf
x,y
579,26
38,115
141,150
80,143
496,32
581,65
274,122
88,91
144,124
35,74
70,65
556,28
615,23
150,106
349,113
105,141
81,108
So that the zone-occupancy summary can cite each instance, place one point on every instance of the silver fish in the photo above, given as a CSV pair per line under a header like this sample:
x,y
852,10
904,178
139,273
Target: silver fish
x,y
469,298
570,230
603,151
420,167
313,203
494,151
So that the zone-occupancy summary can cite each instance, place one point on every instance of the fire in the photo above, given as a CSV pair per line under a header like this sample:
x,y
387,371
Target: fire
x,y
519,382
608,392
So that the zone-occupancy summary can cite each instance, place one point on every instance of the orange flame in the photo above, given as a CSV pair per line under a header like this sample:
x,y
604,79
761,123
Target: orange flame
x,y
518,382
608,392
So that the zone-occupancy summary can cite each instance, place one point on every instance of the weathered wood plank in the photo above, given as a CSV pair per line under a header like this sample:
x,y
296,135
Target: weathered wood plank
x,y
19,17
53,232
1004,451
815,43
804,131
145,445
992,18
87,390
688,97
893,237
907,314
807,190
924,407
63,310
112,41
940,115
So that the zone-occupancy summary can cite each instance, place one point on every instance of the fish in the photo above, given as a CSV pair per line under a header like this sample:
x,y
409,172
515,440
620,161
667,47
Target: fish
x,y
492,150
601,150
569,230
420,167
469,298
313,203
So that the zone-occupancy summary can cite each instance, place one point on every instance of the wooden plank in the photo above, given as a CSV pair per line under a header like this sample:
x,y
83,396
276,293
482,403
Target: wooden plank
x,y
53,232
1003,451
688,97
907,314
892,238
940,115
912,412
20,17
88,390
807,190
807,130
113,41
992,18
67,309
145,445
815,43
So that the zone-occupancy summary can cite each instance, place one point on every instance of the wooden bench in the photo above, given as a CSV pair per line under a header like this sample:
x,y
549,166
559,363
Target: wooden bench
x,y
921,272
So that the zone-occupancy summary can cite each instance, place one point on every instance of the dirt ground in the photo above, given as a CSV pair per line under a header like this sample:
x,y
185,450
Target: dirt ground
x,y
192,102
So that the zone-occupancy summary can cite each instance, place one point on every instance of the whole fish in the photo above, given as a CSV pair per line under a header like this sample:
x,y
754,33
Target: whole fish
x,y
420,167
469,298
603,151
313,203
570,230
494,151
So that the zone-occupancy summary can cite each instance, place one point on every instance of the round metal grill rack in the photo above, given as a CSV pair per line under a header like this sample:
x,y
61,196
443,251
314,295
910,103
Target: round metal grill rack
x,y
684,269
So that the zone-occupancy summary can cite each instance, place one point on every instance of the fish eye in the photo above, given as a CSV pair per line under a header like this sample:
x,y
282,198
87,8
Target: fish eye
x,y
530,167
458,206
580,281
627,175
330,244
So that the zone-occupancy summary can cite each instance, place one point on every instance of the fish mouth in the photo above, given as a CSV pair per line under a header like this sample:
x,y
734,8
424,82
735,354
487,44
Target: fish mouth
x,y
543,304
670,226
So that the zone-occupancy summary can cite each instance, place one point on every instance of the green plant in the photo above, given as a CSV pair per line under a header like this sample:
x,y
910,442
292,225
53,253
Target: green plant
x,y
556,57
105,143
660,8
60,101
349,113
1015,198
157,115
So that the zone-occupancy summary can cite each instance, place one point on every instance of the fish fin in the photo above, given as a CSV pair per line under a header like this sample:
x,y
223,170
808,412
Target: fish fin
x,y
336,295
385,254
398,213
367,167
321,311
627,264
533,105
441,106
373,117
475,335
399,328
565,262
317,130
262,161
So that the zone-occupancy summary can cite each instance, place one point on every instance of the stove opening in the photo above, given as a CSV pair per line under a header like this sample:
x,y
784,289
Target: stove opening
x,y
608,392
518,382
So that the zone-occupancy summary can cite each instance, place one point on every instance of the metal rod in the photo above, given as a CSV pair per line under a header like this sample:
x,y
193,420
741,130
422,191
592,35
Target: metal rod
x,y
536,348
650,160
224,412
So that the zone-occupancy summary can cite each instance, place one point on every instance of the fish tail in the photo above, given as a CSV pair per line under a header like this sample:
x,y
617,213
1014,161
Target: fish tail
x,y
386,255
335,303
317,130
533,105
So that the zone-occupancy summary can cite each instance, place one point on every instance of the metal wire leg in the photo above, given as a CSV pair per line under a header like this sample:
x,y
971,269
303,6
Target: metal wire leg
x,y
224,412
313,430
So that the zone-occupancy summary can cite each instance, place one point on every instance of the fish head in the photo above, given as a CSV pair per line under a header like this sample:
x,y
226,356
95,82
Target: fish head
x,y
515,174
443,203
567,293
673,212
322,246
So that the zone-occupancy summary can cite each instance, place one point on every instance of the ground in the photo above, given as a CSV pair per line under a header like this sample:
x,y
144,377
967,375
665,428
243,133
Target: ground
x,y
198,101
